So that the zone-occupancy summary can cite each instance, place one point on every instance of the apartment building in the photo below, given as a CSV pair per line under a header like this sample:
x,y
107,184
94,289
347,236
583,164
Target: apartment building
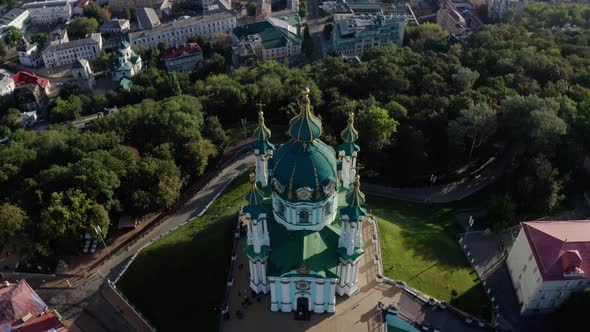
x,y
56,55
548,261
178,32
48,12
354,35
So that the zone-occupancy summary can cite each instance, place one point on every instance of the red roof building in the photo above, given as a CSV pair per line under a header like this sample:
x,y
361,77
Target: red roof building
x,y
548,261
24,77
22,310
182,58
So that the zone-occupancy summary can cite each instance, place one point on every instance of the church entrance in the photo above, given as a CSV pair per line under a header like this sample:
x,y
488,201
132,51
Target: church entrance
x,y
302,312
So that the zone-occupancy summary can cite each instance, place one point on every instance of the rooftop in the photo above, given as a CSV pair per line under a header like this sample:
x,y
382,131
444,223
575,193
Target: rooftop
x,y
147,17
561,248
24,77
47,4
171,26
186,49
12,15
272,32
114,24
18,301
359,24
93,39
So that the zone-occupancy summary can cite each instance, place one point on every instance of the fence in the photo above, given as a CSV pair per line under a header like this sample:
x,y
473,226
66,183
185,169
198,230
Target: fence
x,y
110,292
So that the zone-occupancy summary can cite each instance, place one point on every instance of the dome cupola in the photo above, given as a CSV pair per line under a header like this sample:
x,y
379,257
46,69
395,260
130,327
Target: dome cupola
x,y
305,127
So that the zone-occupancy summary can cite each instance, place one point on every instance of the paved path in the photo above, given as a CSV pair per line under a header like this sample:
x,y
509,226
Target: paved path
x,y
82,305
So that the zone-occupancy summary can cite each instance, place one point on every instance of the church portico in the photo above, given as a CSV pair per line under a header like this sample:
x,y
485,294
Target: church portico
x,y
287,293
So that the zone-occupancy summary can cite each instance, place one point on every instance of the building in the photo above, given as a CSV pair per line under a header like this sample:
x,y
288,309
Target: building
x,y
354,35
452,21
182,58
120,5
498,9
263,9
82,73
24,311
48,12
31,97
127,64
56,55
28,119
29,55
178,32
303,246
548,261
273,38
24,78
79,7
59,35
115,26
16,17
6,83
147,18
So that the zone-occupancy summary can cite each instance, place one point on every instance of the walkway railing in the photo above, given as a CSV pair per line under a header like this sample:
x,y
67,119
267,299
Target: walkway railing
x,y
229,279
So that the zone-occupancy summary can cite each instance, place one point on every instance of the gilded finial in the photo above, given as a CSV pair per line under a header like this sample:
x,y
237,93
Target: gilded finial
x,y
252,177
357,180
305,95
260,117
350,118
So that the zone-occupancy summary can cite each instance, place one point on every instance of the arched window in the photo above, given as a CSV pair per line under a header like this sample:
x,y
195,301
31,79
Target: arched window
x,y
303,216
281,209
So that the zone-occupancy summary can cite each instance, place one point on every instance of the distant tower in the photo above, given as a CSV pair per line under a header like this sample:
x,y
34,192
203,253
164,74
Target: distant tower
x,y
258,244
263,149
263,9
350,242
347,152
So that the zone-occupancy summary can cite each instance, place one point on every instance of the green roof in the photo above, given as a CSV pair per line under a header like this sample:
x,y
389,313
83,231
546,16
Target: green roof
x,y
271,35
254,195
305,127
297,165
396,324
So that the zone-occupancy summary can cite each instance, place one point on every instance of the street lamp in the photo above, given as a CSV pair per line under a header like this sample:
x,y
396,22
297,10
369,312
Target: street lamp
x,y
433,179
99,233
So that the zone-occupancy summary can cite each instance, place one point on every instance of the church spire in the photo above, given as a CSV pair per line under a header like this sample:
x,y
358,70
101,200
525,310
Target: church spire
x,y
355,200
305,127
350,134
254,195
261,133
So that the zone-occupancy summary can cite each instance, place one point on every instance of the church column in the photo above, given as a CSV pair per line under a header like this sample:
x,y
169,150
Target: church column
x,y
319,297
286,305
332,303
273,296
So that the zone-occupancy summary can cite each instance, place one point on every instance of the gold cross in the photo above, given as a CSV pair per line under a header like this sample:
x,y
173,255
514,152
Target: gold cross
x,y
260,105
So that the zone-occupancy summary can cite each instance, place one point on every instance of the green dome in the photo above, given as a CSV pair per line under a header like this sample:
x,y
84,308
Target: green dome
x,y
254,195
304,171
349,135
261,133
305,127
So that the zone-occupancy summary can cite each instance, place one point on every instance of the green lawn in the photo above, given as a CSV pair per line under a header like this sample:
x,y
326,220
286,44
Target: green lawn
x,y
419,246
179,280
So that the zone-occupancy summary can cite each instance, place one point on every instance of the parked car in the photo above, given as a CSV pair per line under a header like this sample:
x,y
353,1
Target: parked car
x,y
400,284
426,327
443,305
431,301
393,309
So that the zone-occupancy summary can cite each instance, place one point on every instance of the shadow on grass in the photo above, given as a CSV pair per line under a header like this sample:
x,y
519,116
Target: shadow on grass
x,y
429,231
178,282
474,301
178,285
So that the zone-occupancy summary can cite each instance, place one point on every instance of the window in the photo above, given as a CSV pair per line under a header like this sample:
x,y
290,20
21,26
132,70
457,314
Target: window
x,y
539,279
281,210
303,216
524,268
530,257
328,208
535,270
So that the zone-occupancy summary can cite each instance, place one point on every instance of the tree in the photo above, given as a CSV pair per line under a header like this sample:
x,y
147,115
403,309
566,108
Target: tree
x,y
251,9
472,128
2,48
11,118
197,155
540,186
81,26
376,127
303,9
464,78
12,221
174,84
221,96
215,64
426,36
501,211
65,219
13,36
307,44
40,38
67,109
214,130
572,310
93,10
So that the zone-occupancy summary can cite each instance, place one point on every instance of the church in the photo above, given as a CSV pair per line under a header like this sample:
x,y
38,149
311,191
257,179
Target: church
x,y
304,216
